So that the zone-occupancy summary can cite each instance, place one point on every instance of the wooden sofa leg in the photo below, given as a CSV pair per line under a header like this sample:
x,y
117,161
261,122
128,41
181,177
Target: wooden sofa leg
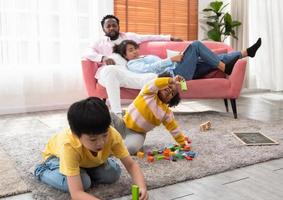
x,y
226,105
234,107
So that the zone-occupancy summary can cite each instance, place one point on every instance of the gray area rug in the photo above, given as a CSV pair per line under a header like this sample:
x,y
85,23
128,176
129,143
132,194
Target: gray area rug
x,y
11,182
217,150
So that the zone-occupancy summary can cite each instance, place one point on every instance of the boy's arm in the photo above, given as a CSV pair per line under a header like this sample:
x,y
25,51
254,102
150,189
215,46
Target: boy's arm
x,y
76,189
137,176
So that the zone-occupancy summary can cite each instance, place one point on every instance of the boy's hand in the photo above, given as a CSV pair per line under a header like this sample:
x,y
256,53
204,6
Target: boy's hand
x,y
143,194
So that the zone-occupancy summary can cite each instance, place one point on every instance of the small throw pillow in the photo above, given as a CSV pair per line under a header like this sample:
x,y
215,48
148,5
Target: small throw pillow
x,y
171,53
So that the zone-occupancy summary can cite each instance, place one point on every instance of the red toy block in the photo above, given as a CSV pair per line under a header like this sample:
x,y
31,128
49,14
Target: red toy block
x,y
150,158
188,158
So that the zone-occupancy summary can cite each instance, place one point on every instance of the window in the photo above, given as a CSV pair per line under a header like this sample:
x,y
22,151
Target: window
x,y
39,32
176,17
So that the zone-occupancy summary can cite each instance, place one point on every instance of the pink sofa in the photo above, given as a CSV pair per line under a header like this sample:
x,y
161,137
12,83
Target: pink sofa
x,y
215,85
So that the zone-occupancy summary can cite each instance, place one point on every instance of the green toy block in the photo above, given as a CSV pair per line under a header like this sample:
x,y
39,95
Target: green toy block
x,y
179,156
154,152
183,85
159,157
135,192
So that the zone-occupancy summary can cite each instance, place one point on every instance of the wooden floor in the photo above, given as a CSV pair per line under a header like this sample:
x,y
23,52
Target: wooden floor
x,y
262,181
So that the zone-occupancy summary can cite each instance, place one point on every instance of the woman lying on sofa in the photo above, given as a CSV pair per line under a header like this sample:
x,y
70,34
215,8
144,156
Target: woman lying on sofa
x,y
195,62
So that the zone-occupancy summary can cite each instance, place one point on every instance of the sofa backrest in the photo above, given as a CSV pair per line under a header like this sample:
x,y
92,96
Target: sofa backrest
x,y
159,47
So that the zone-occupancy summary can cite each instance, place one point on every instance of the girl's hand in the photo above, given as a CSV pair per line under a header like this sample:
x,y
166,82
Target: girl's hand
x,y
178,78
143,194
177,58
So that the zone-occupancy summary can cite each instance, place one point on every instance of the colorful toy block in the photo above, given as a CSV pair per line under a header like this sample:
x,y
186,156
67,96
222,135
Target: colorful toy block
x,y
135,192
154,152
186,148
140,154
205,126
188,158
159,157
150,158
183,85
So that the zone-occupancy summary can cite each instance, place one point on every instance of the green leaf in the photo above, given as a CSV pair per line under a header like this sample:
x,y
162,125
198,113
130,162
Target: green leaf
x,y
215,35
235,23
228,19
216,5
207,10
213,24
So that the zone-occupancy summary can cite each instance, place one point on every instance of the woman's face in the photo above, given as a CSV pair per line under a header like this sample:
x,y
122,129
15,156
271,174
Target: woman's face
x,y
131,52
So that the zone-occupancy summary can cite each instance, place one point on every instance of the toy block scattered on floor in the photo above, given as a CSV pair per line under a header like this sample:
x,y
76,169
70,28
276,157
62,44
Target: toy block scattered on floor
x,y
135,192
170,152
205,126
140,154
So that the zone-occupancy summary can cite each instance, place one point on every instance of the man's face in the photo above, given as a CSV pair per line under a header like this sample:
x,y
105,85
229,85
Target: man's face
x,y
166,94
94,143
111,28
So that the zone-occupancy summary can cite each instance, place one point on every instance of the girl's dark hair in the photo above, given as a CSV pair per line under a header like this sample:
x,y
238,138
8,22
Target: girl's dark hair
x,y
176,99
89,116
108,17
122,47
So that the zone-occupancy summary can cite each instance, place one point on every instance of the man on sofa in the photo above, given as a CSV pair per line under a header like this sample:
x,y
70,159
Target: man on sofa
x,y
111,76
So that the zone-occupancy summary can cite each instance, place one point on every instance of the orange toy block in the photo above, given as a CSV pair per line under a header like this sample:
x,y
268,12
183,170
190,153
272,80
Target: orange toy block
x,y
150,158
166,152
186,148
140,154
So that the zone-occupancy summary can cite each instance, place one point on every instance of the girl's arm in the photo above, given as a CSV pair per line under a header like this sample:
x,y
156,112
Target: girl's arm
x,y
149,64
137,176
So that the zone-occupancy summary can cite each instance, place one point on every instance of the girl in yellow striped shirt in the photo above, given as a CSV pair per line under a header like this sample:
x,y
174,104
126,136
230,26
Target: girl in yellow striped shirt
x,y
149,109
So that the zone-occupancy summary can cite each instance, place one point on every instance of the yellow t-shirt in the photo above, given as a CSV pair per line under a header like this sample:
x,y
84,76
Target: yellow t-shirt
x,y
73,155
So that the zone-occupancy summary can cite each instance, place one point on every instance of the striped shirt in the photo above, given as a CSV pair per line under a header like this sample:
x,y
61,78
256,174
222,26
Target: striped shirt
x,y
148,111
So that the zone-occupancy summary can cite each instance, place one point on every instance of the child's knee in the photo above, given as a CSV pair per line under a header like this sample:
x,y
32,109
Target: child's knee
x,y
113,172
86,180
133,149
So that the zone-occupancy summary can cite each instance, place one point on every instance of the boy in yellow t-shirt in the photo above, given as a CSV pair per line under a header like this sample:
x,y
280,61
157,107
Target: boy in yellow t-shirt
x,y
79,156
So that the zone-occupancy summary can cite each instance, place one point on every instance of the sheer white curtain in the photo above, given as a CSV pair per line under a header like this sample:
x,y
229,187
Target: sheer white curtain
x,y
239,11
41,42
265,19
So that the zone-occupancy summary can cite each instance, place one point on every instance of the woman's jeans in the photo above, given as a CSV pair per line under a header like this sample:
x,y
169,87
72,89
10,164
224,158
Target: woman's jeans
x,y
198,61
48,172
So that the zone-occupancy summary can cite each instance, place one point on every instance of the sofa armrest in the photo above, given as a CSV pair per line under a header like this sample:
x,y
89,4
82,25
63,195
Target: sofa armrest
x,y
89,69
237,78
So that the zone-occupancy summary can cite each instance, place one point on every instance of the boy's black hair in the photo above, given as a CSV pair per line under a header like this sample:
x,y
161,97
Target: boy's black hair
x,y
89,116
122,47
109,17
176,99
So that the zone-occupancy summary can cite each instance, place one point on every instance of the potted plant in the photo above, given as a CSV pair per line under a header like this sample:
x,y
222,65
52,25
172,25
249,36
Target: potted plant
x,y
221,23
